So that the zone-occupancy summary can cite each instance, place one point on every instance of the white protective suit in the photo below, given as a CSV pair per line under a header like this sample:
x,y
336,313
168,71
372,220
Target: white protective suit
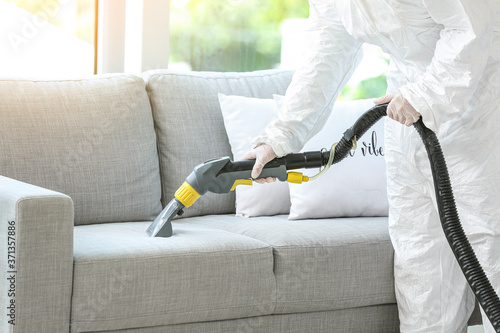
x,y
445,60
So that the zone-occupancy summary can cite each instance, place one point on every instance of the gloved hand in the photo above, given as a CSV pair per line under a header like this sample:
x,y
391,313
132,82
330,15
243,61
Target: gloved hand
x,y
399,108
262,154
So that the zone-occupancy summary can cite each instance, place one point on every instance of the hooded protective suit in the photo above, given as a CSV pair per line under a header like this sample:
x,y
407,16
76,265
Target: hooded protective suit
x,y
445,60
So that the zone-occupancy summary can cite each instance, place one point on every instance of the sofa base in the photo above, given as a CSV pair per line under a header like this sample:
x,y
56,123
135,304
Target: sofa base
x,y
376,319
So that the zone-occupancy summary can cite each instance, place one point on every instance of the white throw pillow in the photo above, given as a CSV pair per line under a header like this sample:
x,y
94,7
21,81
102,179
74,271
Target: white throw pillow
x,y
244,119
356,186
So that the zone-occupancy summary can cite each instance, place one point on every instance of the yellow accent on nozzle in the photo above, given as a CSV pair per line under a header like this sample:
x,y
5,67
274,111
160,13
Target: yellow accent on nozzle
x,y
186,194
296,178
241,182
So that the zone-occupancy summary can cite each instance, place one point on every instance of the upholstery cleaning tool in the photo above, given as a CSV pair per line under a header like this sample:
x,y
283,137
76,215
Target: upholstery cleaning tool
x,y
222,175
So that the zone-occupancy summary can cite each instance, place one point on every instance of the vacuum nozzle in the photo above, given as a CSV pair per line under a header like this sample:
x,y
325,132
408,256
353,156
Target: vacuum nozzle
x,y
162,225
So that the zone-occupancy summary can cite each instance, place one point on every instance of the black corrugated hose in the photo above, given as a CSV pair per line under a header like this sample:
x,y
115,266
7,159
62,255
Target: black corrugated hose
x,y
472,270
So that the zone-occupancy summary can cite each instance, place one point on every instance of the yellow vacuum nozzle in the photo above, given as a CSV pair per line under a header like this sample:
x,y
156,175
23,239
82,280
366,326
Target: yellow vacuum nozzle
x,y
186,194
296,178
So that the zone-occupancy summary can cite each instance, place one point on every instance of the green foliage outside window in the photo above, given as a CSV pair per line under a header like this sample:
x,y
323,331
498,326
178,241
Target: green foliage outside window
x,y
242,35
368,88
231,35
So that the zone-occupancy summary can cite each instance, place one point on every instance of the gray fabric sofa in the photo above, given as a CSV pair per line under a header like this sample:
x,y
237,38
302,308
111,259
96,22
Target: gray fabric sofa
x,y
86,165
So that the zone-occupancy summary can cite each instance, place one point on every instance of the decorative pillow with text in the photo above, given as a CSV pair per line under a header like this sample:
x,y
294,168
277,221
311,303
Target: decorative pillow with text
x,y
356,186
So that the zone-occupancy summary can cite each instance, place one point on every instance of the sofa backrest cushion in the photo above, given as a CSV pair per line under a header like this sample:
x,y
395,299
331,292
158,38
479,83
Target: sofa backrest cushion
x,y
92,139
190,127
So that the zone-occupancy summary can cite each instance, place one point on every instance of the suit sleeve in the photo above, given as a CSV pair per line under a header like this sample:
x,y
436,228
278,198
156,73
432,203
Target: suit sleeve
x,y
331,55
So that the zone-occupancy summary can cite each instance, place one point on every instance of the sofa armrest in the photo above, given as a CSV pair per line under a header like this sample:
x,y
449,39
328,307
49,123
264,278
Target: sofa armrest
x,y
36,258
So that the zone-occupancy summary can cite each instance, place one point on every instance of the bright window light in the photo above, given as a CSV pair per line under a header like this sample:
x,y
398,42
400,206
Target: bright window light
x,y
46,38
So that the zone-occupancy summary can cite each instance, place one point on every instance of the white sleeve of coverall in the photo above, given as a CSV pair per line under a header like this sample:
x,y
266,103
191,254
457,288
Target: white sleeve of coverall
x,y
331,55
448,84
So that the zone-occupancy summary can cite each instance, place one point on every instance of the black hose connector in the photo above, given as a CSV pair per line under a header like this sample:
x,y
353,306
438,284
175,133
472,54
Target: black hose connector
x,y
346,143
450,221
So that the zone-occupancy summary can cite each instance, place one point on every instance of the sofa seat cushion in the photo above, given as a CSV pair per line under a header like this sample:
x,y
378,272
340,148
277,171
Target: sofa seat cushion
x,y
320,265
92,139
125,279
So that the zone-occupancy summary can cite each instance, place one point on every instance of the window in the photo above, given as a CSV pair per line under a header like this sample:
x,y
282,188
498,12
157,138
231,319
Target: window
x,y
229,35
247,35
57,38
47,37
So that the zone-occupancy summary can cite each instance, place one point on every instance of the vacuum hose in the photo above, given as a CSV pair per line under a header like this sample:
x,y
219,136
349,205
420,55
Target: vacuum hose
x,y
223,175
472,270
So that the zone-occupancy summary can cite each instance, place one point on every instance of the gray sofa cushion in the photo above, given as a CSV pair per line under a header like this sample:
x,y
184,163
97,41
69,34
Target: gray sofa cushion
x,y
125,279
92,139
321,265
190,126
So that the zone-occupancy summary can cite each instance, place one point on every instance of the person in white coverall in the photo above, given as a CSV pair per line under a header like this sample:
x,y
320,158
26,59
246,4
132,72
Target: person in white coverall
x,y
445,60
